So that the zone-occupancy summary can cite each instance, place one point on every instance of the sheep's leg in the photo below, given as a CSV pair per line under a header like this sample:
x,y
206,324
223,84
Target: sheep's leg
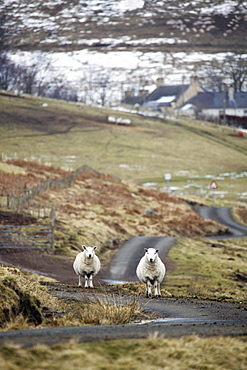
x,y
79,284
86,282
157,289
90,285
148,289
159,292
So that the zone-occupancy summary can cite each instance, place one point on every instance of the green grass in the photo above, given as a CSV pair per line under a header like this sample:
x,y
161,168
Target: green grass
x,y
209,269
68,135
155,352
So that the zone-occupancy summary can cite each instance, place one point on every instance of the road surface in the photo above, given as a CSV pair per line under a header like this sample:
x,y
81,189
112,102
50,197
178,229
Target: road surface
x,y
223,216
177,317
122,267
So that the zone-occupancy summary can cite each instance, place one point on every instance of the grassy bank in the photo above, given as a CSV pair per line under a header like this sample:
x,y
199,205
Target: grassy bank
x,y
209,269
18,313
152,353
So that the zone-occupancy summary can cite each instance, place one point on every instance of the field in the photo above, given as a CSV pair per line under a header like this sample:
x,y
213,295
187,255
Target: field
x,y
68,135
107,207
110,206
41,139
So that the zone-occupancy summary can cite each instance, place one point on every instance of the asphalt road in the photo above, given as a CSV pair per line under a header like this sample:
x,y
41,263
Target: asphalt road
x,y
177,317
223,216
122,267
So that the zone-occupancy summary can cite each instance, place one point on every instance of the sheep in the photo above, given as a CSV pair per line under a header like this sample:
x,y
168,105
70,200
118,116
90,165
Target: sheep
x,y
119,120
86,264
151,270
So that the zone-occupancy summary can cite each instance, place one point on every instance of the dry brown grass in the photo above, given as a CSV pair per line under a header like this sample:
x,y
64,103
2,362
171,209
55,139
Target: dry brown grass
x,y
240,214
22,298
102,210
104,310
97,208
155,352
18,175
93,310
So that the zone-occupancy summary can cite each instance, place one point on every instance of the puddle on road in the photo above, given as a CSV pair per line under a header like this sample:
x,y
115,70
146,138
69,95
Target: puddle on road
x,y
180,320
109,281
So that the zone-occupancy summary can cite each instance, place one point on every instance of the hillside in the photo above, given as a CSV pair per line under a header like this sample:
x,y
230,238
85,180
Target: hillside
x,y
69,135
101,210
93,47
120,25
100,50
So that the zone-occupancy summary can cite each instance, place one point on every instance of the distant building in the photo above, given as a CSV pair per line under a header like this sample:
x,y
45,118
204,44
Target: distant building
x,y
196,101
211,105
170,97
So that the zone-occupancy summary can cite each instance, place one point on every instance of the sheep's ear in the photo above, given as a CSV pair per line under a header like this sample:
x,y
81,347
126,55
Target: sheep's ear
x,y
95,247
157,250
84,247
145,249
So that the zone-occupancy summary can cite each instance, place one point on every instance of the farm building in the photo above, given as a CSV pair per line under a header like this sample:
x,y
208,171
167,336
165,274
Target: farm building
x,y
197,102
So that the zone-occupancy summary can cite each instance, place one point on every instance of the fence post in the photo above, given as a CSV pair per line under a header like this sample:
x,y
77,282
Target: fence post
x,y
52,226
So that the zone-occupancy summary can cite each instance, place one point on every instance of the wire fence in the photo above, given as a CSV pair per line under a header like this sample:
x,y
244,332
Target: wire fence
x,y
26,237
18,202
38,236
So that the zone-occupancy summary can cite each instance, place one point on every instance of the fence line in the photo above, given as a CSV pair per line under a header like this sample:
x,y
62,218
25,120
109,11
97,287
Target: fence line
x,y
17,202
26,237
37,209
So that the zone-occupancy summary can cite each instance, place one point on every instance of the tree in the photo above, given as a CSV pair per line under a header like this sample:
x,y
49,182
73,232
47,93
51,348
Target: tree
x,y
95,85
235,66
59,88
213,78
231,71
27,80
7,72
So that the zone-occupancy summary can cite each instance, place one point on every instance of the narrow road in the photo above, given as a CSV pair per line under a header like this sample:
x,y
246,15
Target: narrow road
x,y
178,317
224,217
122,267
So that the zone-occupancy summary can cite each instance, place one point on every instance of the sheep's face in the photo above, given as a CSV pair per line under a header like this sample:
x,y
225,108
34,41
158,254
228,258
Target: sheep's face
x,y
151,254
89,251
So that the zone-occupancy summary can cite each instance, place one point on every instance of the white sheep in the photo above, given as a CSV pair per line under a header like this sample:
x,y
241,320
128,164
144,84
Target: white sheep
x,y
86,264
151,270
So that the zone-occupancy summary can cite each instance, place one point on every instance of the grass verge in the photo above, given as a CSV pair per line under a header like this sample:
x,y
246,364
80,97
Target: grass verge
x,y
107,310
209,269
155,352
53,312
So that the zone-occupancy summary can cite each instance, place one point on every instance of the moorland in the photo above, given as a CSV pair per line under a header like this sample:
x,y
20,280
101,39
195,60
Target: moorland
x,y
123,193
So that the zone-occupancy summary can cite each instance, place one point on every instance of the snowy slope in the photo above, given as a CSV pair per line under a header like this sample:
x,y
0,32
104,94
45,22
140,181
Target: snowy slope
x,y
126,39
